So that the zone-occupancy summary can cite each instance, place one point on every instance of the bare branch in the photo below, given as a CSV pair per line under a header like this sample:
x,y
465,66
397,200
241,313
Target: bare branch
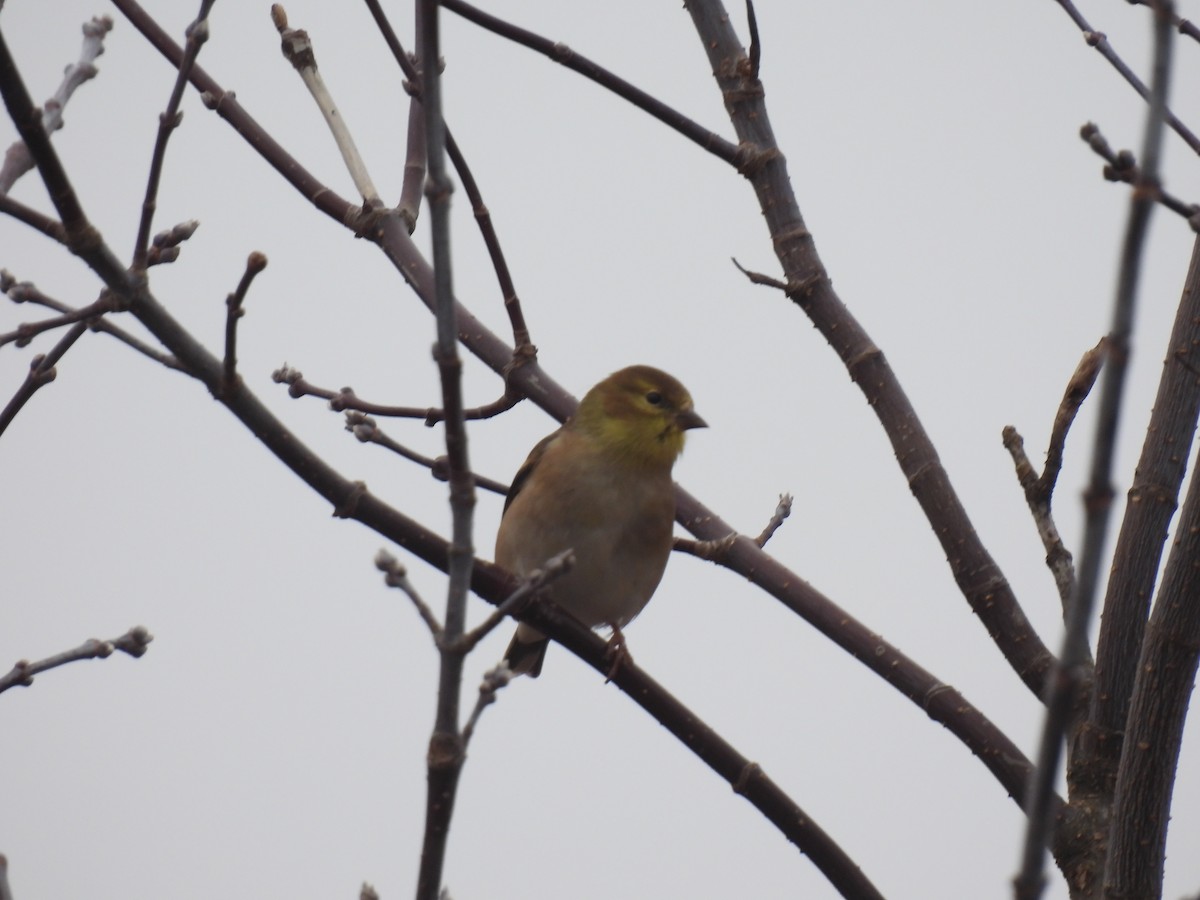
x,y
396,575
782,511
346,400
1039,489
18,161
298,50
1058,557
368,431
493,680
946,706
555,567
1099,40
1072,671
1165,681
197,34
255,263
446,744
1185,27
26,292
134,642
1152,501
1078,388
755,54
522,343
26,332
717,549
32,218
41,372
1122,167
565,56
977,574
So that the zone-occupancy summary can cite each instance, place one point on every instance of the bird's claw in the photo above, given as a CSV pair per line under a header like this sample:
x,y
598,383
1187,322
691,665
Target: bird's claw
x,y
616,651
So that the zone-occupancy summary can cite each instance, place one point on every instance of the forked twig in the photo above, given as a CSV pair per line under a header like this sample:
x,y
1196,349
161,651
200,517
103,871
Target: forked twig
x,y
1039,489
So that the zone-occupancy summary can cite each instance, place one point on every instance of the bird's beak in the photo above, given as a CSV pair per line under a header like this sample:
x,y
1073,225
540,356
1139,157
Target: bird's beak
x,y
689,418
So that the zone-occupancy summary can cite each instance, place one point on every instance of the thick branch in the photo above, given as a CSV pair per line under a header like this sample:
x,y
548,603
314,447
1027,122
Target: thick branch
x,y
1152,500
977,574
1072,672
1166,675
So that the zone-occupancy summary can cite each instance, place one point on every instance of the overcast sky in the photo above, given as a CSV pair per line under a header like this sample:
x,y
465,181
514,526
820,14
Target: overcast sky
x,y
272,741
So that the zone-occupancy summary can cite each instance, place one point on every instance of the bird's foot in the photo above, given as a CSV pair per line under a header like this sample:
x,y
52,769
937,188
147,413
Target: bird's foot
x,y
616,652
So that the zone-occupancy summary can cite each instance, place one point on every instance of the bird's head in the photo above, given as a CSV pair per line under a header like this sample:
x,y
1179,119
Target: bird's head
x,y
641,414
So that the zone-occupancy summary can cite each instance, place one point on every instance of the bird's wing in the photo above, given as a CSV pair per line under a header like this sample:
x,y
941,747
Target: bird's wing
x,y
527,467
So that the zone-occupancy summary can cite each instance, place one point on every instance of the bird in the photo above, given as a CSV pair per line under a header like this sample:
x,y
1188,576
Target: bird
x,y
601,487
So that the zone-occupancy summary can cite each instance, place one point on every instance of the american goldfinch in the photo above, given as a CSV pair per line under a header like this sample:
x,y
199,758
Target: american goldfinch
x,y
600,486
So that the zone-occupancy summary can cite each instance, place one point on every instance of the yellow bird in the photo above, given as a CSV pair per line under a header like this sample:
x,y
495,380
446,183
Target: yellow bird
x,y
601,486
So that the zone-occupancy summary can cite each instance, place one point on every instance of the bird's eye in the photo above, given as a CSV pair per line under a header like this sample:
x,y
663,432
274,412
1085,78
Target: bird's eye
x,y
654,398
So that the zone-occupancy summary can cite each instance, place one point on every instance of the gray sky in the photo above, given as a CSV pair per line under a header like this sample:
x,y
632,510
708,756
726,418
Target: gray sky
x,y
272,741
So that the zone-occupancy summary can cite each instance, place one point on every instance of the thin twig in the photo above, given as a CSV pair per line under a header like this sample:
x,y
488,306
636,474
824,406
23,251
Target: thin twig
x,y
1099,40
197,34
416,152
1071,670
1122,167
31,217
18,160
41,372
396,575
1058,557
761,279
134,642
717,549
553,568
1185,26
494,679
255,263
345,399
565,56
26,292
522,343
1039,489
1078,388
298,50
27,331
755,53
367,431
782,511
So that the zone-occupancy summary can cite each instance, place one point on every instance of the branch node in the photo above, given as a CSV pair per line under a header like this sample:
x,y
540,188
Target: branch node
x,y
751,770
349,504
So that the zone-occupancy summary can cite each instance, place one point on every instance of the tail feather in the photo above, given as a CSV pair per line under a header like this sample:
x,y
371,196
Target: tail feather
x,y
526,657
